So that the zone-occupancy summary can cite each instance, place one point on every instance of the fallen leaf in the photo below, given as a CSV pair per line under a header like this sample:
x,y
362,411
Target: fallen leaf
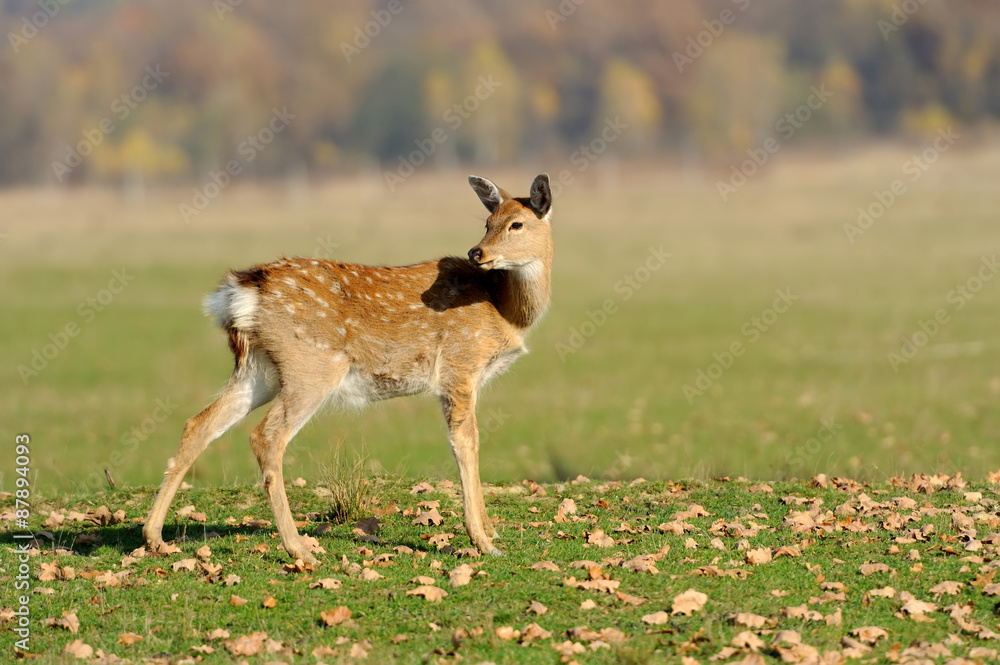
x,y
688,602
369,575
236,601
869,634
335,617
758,556
567,506
948,587
270,602
872,568
78,649
507,633
750,620
421,488
128,639
429,518
326,583
533,632
185,564
430,593
461,575
599,538
748,640
537,608
656,618
545,565
588,604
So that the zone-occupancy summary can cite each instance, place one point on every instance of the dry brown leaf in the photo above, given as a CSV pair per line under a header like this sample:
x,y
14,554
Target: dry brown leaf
x,y
236,601
599,538
536,608
588,604
607,586
460,575
128,639
430,593
688,602
748,640
204,552
533,632
69,621
421,488
869,634
369,575
884,592
914,607
247,645
326,583
429,518
872,568
750,620
336,616
991,589
758,556
947,587
270,602
567,506
801,612
218,634
545,565
507,633
185,564
656,618
78,649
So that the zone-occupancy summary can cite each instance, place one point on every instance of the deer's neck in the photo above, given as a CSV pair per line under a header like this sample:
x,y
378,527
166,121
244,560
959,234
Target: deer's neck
x,y
523,293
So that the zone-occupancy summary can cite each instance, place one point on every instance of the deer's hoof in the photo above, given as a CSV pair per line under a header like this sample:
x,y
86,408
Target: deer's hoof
x,y
496,552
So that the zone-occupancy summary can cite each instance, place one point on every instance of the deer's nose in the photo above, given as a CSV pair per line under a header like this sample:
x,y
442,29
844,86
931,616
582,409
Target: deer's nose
x,y
476,255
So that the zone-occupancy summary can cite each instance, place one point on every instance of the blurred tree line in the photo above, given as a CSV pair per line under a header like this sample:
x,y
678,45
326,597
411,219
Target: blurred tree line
x,y
368,83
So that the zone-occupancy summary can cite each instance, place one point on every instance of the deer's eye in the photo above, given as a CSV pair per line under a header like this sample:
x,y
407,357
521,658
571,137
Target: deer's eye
x,y
515,226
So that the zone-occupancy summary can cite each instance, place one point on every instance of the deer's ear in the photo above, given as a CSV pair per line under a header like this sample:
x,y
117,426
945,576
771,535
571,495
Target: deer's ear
x,y
489,193
541,195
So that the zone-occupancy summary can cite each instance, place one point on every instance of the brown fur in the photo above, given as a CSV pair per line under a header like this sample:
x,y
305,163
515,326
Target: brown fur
x,y
305,330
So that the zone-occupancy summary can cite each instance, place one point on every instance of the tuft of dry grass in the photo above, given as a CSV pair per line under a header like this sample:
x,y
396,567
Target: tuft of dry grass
x,y
353,495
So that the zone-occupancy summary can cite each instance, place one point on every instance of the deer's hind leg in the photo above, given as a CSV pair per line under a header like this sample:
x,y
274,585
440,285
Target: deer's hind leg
x,y
251,385
301,394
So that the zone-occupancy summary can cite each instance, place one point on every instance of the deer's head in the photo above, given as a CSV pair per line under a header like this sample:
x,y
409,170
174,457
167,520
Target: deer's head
x,y
518,230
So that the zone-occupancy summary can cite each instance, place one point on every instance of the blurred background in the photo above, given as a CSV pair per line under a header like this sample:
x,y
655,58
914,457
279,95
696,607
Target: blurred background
x,y
775,224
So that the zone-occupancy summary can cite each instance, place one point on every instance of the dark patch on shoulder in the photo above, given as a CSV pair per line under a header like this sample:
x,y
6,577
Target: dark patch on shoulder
x,y
459,284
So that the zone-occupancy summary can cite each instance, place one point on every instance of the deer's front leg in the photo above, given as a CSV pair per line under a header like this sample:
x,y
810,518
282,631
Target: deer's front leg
x,y
463,435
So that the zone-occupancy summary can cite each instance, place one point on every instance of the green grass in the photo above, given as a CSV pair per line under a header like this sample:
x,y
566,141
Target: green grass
x,y
189,606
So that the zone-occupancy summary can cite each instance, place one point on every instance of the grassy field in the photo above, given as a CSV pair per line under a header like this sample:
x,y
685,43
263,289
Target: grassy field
x,y
813,390
619,572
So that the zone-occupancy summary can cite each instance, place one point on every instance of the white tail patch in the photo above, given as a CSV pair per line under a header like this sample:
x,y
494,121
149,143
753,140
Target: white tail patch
x,y
232,303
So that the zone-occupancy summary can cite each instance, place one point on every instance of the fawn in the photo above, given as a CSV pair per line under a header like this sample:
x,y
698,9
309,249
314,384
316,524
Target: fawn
x,y
304,331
